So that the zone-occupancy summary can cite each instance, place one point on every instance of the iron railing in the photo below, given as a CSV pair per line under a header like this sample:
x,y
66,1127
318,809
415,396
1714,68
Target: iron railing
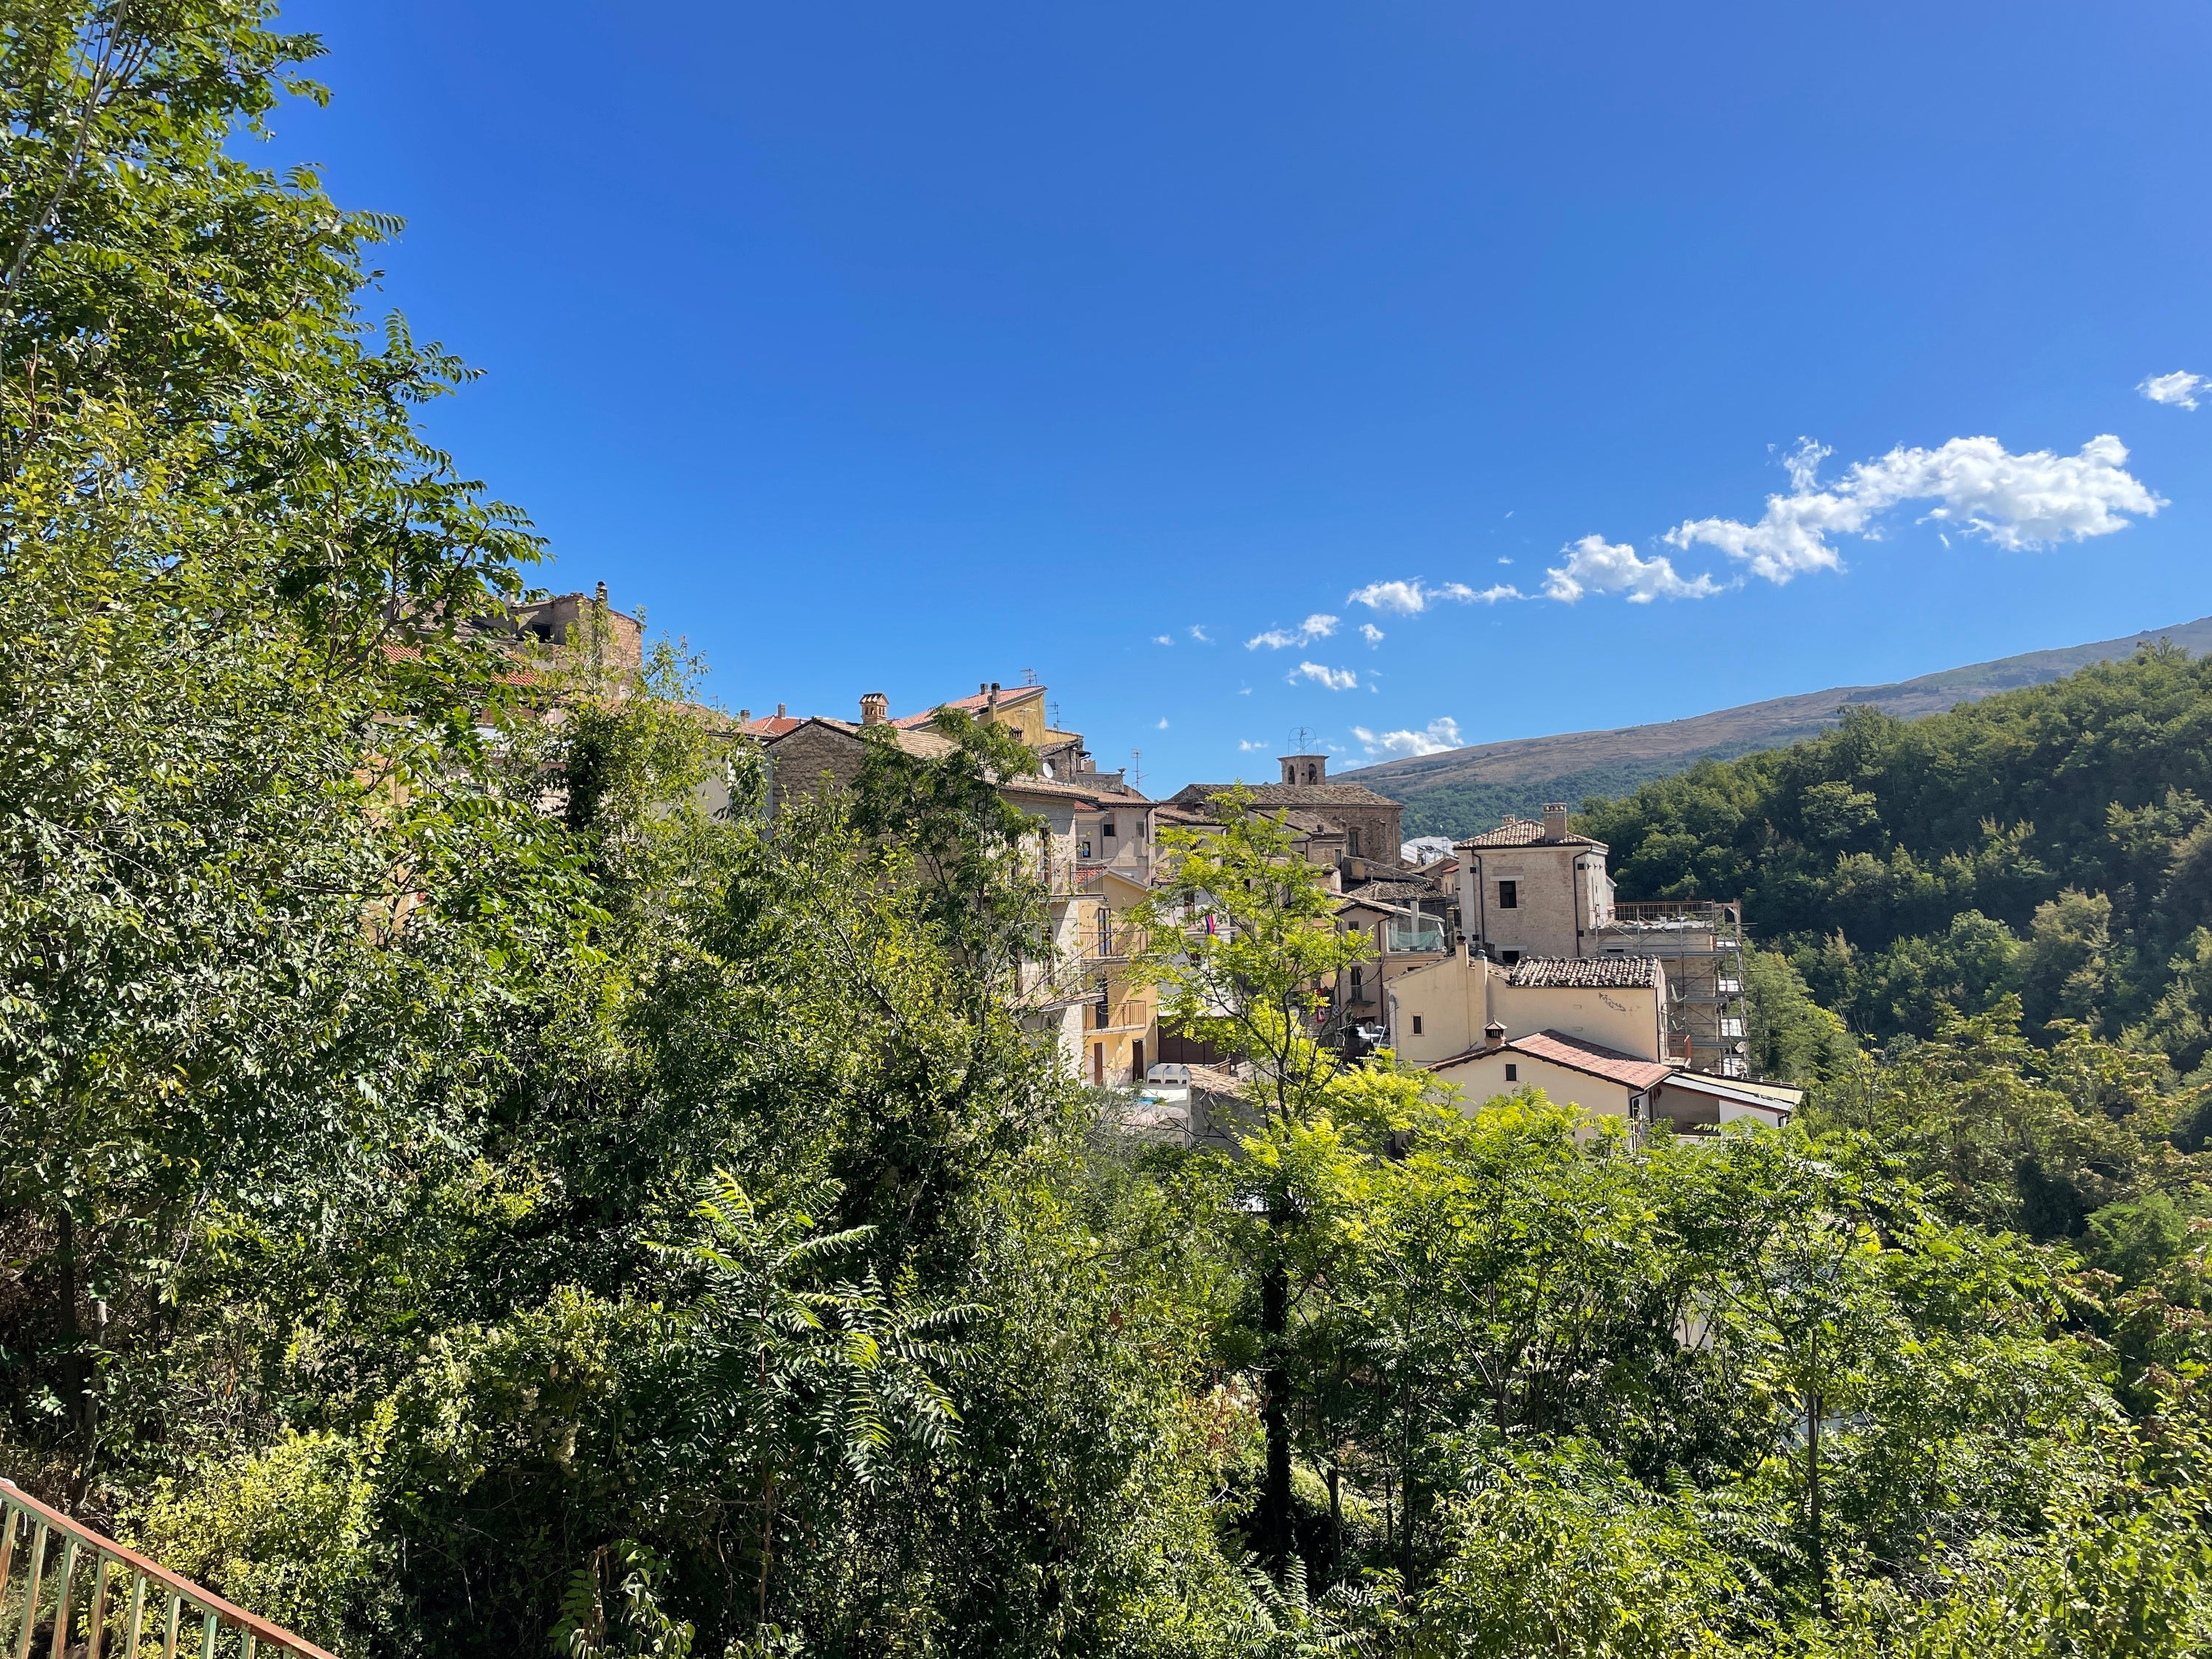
x,y
58,1575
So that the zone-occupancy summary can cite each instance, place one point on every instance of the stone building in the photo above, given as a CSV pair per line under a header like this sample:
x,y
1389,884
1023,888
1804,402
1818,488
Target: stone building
x,y
1592,1032
1350,822
1532,889
1529,889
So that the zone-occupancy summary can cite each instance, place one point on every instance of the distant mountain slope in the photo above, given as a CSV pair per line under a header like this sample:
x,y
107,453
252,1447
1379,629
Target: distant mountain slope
x,y
1464,790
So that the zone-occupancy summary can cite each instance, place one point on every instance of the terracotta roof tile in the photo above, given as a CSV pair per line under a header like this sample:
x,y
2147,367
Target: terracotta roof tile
x,y
1524,832
1572,1052
1590,1059
1584,973
971,705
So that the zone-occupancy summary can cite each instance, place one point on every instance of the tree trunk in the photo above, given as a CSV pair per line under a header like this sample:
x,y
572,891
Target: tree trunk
x,y
1335,1520
1813,1406
1274,1540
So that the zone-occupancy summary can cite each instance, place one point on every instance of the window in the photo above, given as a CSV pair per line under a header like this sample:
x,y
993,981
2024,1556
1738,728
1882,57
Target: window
x,y
1098,1064
1512,1073
1310,774
1352,845
1508,957
1636,1109
1083,847
1508,895
1417,1025
1104,1018
1106,828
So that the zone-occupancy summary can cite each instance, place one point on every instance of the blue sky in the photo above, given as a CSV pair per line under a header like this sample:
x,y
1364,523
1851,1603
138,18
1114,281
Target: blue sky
x,y
884,346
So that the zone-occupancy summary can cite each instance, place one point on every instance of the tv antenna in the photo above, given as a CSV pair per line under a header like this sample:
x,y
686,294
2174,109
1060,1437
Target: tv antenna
x,y
1029,677
1136,771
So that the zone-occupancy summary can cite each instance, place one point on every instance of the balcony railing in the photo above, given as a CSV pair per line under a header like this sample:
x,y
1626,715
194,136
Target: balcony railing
x,y
59,1577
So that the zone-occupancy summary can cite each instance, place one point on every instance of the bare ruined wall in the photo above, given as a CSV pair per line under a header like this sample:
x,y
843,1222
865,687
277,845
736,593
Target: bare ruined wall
x,y
801,759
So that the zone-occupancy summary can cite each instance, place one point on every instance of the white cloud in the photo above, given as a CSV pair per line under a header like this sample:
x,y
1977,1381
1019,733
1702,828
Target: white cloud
x,y
1162,639
1370,633
2179,388
1163,723
1319,626
1410,598
1442,733
1596,566
1978,487
1336,680
1246,745
1504,561
1200,635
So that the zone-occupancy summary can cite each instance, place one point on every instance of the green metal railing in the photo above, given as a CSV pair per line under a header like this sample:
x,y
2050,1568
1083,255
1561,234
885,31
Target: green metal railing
x,y
67,1590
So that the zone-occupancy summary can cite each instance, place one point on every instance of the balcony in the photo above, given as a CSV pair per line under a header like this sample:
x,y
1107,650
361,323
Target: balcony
x,y
1426,935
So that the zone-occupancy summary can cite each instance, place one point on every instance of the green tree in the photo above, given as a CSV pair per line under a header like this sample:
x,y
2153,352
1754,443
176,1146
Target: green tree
x,y
1239,938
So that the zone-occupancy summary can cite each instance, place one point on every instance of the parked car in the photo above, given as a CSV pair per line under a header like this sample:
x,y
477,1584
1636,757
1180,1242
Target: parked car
x,y
1168,1071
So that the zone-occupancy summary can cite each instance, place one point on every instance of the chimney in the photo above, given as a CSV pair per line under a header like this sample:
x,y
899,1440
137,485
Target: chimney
x,y
875,708
745,720
1555,821
600,592
1494,1033
779,711
993,704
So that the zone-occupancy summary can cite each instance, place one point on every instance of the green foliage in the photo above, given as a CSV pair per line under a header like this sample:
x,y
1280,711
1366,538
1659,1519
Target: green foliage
x,y
2049,842
469,1180
289,1532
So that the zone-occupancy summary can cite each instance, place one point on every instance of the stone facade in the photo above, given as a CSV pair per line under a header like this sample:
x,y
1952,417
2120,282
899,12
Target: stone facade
x,y
1349,819
1533,890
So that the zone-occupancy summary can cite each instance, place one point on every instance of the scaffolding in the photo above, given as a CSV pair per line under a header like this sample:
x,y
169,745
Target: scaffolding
x,y
1699,945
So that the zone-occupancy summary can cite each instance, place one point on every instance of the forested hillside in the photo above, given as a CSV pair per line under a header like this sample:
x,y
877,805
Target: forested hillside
x,y
460,1195
2053,844
1462,791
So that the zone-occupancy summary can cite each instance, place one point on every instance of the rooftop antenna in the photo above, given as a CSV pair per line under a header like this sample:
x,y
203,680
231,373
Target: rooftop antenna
x,y
1029,677
1136,771
1055,713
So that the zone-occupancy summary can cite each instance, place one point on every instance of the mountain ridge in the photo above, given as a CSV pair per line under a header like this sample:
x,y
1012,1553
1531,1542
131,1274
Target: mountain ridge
x,y
1463,790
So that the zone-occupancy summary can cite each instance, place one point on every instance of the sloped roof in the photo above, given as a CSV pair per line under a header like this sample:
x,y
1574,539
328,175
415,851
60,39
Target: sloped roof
x,y
1525,832
1584,973
1763,1098
923,745
1099,790
1591,1059
1385,891
974,705
1289,794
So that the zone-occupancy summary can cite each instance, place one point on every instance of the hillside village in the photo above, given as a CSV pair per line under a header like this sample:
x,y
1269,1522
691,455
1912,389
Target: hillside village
x,y
1499,962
